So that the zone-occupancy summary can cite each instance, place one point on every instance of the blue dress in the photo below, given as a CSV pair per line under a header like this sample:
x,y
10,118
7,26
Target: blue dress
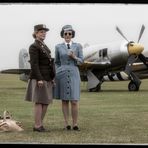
x,y
67,72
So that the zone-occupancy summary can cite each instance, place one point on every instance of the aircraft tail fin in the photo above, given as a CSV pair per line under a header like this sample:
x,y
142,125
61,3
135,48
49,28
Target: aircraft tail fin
x,y
24,59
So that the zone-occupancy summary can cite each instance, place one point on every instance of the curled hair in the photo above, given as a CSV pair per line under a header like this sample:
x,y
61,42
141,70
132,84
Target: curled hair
x,y
34,34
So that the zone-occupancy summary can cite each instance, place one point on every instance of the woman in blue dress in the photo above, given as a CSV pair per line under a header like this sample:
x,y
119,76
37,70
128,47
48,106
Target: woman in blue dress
x,y
68,55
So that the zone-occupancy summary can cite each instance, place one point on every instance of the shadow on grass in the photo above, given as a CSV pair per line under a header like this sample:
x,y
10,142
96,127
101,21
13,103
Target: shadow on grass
x,y
14,88
113,90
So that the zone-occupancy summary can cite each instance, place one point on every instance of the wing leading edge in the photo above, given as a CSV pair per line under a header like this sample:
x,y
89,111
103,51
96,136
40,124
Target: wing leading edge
x,y
15,71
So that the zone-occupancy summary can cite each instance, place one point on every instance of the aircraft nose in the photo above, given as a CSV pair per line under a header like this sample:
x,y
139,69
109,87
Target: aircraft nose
x,y
135,48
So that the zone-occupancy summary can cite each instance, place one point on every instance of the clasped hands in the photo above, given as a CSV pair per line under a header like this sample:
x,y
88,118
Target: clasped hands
x,y
41,83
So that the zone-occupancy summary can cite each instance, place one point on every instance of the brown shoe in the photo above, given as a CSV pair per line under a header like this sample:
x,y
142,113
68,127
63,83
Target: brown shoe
x,y
39,129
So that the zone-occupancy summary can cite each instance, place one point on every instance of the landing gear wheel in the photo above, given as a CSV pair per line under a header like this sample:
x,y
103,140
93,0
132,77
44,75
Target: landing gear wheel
x,y
95,89
133,86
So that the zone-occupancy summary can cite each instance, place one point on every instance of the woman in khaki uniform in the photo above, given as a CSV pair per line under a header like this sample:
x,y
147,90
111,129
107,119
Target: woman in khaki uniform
x,y
42,73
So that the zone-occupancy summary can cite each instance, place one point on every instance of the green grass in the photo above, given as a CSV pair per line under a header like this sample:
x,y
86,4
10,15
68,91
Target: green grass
x,y
112,116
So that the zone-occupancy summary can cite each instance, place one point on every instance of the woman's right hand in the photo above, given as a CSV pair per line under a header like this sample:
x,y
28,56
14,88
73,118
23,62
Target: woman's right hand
x,y
40,83
72,54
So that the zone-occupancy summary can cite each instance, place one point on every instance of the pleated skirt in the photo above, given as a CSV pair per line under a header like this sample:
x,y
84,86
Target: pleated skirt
x,y
42,95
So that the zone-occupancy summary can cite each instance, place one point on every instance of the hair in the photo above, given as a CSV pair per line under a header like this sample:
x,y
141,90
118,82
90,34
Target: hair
x,y
62,33
34,34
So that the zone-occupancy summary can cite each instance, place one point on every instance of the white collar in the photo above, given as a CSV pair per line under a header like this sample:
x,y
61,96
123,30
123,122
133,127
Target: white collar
x,y
68,43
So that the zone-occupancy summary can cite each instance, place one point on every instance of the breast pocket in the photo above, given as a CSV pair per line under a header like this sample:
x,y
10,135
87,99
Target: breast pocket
x,y
43,52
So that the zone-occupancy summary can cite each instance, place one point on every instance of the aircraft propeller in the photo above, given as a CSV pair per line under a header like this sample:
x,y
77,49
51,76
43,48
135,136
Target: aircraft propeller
x,y
134,50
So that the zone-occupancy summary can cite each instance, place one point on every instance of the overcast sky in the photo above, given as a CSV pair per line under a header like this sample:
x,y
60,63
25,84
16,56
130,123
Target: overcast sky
x,y
93,23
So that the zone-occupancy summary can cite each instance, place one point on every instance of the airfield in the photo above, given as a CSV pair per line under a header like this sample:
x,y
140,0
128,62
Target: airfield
x,y
112,116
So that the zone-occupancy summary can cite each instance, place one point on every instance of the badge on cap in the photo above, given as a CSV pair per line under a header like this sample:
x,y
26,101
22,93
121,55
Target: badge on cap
x,y
44,26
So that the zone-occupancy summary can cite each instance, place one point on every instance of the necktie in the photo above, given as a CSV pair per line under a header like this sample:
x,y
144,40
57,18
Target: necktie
x,y
68,46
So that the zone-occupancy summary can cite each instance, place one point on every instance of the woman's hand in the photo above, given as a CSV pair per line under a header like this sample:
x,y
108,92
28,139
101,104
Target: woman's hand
x,y
72,55
40,83
53,82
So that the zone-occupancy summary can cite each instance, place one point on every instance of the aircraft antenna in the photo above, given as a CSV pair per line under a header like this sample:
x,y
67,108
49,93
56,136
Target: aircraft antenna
x,y
141,32
121,33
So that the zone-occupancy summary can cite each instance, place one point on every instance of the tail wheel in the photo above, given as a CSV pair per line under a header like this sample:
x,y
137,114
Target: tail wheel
x,y
133,86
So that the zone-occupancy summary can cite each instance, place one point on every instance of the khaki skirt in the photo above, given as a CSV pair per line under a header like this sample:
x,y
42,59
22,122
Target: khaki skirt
x,y
42,95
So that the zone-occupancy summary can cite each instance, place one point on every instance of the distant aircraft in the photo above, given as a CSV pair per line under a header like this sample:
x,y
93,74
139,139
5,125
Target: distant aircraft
x,y
113,61
24,66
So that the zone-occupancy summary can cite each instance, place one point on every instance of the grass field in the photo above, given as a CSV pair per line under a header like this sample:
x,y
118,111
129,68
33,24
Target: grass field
x,y
112,116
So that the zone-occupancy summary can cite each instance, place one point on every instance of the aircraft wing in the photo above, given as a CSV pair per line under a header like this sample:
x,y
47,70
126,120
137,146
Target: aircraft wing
x,y
96,65
15,71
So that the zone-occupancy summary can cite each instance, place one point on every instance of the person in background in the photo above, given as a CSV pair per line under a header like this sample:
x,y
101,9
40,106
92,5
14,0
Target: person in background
x,y
40,83
68,55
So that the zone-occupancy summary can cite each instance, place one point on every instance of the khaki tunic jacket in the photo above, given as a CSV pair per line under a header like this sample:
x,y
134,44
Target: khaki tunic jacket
x,y
42,65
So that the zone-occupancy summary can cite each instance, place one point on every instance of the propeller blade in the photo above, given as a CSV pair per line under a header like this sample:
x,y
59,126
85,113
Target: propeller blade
x,y
141,32
121,33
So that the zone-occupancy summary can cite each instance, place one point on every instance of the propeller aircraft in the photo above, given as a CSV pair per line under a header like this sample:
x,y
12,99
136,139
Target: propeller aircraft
x,y
114,59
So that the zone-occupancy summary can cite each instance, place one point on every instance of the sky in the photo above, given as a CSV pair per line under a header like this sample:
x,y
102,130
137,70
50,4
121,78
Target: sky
x,y
93,24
